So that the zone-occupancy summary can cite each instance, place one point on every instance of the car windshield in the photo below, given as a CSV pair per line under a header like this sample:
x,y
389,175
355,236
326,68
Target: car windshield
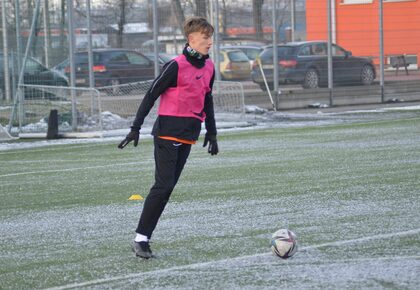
x,y
237,56
33,66
166,57
252,53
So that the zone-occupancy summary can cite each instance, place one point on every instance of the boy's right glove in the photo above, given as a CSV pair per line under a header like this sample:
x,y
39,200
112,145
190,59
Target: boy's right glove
x,y
212,141
134,135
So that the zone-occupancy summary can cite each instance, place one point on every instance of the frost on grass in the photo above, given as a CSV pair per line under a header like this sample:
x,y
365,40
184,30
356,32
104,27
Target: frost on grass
x,y
255,117
327,184
218,243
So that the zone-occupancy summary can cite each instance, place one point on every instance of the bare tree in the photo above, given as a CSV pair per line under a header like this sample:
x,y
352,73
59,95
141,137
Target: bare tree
x,y
121,22
224,18
118,13
62,23
30,10
179,13
201,8
257,15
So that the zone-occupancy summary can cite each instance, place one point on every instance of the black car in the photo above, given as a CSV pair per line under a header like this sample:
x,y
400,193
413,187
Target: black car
x,y
306,63
163,57
111,67
34,74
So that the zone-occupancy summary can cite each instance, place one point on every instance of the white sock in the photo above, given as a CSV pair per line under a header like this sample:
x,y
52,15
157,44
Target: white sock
x,y
141,238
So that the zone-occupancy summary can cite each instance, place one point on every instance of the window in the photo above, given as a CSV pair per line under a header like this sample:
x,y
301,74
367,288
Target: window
x,y
83,58
238,56
356,1
319,49
398,0
118,57
305,51
252,53
338,51
135,58
285,51
32,66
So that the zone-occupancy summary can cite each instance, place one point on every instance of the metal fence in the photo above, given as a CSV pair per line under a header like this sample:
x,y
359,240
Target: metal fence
x,y
106,108
79,109
43,36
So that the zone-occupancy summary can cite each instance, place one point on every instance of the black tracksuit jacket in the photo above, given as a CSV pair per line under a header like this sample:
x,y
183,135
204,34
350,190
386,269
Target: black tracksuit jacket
x,y
186,128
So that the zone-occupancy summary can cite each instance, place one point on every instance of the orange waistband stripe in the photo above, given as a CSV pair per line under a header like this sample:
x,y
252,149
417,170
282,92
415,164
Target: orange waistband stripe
x,y
190,142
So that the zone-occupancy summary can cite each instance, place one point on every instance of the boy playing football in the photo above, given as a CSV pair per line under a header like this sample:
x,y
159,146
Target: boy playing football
x,y
185,90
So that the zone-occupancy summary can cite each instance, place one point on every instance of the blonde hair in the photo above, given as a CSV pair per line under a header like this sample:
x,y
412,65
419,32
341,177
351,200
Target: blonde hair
x,y
197,24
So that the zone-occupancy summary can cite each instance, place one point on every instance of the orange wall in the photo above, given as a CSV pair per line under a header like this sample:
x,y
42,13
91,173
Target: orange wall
x,y
316,20
357,26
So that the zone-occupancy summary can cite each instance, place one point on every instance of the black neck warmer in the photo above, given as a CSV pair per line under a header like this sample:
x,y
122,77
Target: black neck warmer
x,y
194,57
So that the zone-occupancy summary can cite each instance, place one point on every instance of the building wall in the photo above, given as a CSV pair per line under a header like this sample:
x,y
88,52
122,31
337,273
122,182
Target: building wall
x,y
357,26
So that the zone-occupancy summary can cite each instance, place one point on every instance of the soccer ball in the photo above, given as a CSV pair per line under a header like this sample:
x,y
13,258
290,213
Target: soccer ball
x,y
284,243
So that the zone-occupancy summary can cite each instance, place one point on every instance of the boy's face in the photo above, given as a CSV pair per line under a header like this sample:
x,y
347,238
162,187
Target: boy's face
x,y
201,42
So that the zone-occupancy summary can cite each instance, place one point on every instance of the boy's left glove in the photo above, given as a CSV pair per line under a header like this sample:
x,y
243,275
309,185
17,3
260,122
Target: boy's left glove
x,y
134,135
212,141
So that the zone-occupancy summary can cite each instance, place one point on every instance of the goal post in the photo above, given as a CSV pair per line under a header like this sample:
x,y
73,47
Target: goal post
x,y
4,135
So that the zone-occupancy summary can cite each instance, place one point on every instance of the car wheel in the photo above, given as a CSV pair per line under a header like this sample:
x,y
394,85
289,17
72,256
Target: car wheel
x,y
311,80
367,75
114,89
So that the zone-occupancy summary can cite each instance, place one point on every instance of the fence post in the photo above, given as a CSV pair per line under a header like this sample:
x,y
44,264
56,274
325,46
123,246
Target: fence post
x,y
330,59
381,48
18,35
293,18
5,52
216,39
155,37
90,53
275,51
47,40
71,61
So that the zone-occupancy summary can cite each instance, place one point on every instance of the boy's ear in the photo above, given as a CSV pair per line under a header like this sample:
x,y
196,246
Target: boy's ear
x,y
189,37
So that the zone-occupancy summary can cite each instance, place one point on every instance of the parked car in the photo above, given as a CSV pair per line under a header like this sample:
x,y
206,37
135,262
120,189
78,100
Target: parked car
x,y
111,67
307,63
34,74
251,51
234,64
163,57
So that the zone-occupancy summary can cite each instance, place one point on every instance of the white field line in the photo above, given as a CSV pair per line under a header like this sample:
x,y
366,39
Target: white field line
x,y
192,266
70,169
47,147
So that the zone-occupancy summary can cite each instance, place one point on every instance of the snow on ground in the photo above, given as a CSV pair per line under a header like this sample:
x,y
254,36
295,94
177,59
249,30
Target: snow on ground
x,y
255,117
348,232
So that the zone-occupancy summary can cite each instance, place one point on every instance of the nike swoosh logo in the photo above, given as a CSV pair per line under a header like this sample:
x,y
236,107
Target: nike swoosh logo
x,y
177,144
198,77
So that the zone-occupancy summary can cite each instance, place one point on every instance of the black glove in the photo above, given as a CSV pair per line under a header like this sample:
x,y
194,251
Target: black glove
x,y
213,148
134,135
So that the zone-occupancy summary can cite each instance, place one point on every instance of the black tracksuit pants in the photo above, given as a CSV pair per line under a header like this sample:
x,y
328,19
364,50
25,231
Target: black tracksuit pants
x,y
170,158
